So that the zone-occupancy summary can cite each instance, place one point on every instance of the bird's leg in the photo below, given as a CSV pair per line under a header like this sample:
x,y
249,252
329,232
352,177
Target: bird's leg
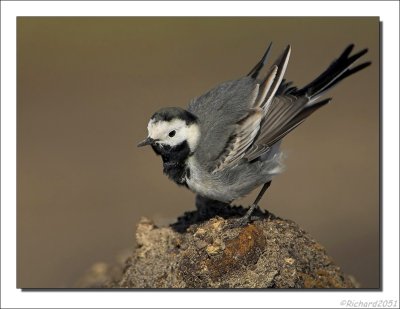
x,y
246,218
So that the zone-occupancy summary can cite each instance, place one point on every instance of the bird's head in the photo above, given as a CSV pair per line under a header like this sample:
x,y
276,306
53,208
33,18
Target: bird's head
x,y
170,128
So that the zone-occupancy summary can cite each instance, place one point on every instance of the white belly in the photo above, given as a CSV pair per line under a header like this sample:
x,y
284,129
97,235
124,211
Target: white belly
x,y
205,183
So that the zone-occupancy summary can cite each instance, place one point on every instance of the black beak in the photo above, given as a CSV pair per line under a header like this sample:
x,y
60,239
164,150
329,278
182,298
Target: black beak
x,y
147,141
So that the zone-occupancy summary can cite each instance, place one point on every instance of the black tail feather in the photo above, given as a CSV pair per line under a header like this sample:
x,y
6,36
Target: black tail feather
x,y
332,70
291,106
350,72
337,71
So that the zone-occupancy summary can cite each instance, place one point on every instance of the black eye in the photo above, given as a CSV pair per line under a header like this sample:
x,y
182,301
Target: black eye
x,y
172,133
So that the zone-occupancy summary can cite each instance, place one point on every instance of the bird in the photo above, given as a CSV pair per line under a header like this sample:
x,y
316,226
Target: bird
x,y
226,143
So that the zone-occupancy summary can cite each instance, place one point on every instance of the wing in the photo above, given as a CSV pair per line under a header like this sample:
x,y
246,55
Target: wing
x,y
240,140
218,112
243,119
246,130
291,106
285,114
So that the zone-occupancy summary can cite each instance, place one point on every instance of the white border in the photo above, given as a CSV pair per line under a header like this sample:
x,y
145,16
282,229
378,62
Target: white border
x,y
14,298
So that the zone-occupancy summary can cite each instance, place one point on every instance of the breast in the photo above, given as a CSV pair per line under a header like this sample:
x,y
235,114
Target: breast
x,y
205,184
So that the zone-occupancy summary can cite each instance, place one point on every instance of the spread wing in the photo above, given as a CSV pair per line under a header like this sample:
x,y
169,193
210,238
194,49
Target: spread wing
x,y
291,106
219,111
243,119
247,129
240,140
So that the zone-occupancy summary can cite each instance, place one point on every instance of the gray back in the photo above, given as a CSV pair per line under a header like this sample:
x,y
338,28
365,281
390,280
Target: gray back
x,y
218,111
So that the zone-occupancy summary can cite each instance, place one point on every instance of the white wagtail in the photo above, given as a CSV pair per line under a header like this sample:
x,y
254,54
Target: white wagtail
x,y
227,142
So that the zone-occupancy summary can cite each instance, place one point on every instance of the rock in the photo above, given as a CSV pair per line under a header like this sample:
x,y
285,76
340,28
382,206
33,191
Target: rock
x,y
199,251
102,275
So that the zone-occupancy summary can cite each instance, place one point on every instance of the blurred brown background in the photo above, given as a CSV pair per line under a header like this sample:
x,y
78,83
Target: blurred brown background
x,y
87,87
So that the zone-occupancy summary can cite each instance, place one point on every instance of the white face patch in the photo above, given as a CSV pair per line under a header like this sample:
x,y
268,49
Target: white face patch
x,y
161,131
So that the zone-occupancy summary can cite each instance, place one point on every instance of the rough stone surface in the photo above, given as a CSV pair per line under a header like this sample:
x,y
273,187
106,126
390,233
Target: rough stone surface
x,y
199,251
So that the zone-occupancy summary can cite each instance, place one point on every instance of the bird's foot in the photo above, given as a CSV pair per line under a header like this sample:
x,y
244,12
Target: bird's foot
x,y
243,221
236,223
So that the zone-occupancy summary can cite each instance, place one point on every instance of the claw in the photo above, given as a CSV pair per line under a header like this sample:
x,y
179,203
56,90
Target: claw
x,y
236,223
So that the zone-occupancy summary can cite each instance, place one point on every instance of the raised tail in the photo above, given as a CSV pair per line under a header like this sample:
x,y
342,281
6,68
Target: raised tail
x,y
290,106
339,69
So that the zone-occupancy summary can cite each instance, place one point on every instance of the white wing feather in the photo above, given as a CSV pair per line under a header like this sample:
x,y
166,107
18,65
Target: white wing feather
x,y
241,139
